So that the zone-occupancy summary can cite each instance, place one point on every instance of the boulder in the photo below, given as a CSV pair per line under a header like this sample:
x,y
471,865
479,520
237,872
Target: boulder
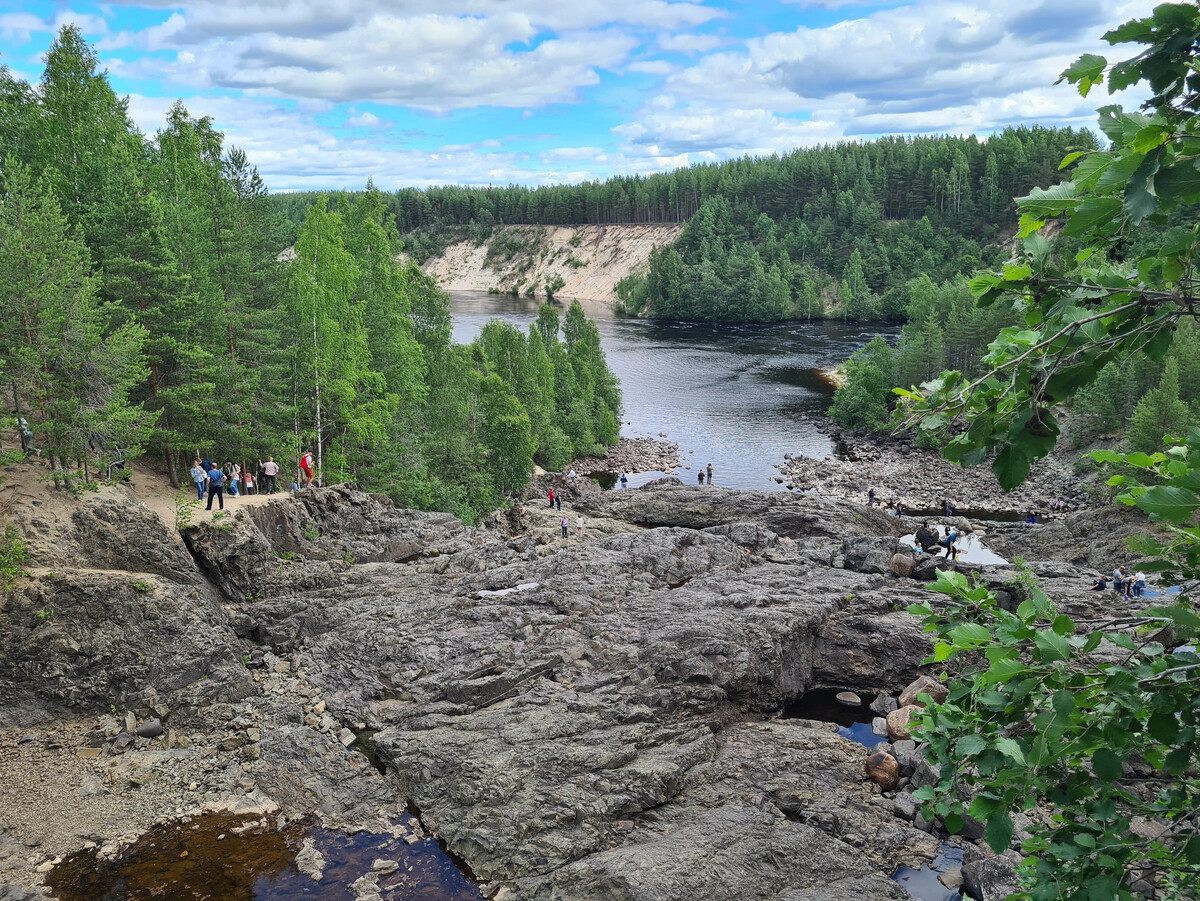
x,y
897,722
901,565
991,879
869,555
884,704
883,770
923,685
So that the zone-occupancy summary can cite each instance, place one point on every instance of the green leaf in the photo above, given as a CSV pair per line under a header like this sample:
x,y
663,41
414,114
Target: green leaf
x,y
1169,502
970,635
998,832
1093,212
1192,850
1063,703
1052,645
1010,749
970,745
1049,201
1107,765
1164,727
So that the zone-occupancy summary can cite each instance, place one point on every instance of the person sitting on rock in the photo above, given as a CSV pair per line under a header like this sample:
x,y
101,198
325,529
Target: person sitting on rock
x,y
927,537
1100,584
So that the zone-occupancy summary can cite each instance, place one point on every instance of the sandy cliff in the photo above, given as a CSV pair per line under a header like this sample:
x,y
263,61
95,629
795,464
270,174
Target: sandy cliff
x,y
600,256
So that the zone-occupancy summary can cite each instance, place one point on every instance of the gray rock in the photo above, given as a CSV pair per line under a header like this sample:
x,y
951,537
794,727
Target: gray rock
x,y
884,704
906,806
991,879
151,728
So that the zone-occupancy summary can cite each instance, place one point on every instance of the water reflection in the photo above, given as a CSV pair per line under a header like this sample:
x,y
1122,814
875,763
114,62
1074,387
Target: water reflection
x,y
208,859
737,395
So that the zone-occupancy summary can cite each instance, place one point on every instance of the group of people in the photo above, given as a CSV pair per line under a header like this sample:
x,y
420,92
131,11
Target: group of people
x,y
701,476
1125,585
214,480
556,501
929,540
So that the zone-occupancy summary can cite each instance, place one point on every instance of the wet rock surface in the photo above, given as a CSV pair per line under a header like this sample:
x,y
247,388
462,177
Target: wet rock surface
x,y
576,718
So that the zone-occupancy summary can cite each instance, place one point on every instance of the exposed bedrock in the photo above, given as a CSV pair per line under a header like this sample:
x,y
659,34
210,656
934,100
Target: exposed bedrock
x,y
577,718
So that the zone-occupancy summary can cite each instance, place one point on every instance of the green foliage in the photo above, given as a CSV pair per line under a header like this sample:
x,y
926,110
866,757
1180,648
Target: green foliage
x,y
864,401
1064,724
186,505
13,556
1112,299
1096,728
311,532
145,304
142,587
554,285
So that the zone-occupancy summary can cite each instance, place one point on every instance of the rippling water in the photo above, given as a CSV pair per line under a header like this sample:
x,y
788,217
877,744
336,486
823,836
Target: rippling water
x,y
738,395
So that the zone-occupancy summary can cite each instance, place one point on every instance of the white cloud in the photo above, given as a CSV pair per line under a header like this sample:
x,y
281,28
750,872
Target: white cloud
x,y
689,43
652,67
363,120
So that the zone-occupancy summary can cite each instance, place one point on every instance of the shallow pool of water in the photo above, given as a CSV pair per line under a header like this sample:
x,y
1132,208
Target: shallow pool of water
x,y
854,723
204,859
924,884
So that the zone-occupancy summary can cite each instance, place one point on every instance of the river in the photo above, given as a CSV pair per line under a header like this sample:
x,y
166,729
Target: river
x,y
736,395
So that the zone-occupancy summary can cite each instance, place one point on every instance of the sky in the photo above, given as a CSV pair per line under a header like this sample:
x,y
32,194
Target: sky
x,y
324,94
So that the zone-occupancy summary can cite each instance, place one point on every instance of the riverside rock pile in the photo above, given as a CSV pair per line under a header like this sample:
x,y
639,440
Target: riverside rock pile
x,y
632,455
576,719
922,480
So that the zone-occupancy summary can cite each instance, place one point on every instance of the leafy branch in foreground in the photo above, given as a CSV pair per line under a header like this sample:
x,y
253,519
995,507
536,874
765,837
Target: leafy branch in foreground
x,y
1084,311
1095,736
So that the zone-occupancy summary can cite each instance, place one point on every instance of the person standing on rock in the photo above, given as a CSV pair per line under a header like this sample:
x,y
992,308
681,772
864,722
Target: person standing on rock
x,y
624,480
270,470
200,477
709,470
579,526
700,477
215,478
306,468
565,525
550,494
571,475
558,501
870,497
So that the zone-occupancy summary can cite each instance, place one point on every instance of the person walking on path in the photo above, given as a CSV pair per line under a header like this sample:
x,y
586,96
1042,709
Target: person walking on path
x,y
558,502
200,477
550,494
215,478
624,480
306,468
231,477
709,471
579,526
270,470
565,525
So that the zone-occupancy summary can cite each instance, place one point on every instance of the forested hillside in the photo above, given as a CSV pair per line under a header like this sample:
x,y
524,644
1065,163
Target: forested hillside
x,y
144,307
825,231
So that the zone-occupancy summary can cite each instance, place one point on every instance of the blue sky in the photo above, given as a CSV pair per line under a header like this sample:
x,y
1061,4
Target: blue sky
x,y
328,93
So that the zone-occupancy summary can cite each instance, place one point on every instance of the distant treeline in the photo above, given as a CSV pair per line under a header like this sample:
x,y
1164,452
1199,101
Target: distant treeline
x,y
145,306
826,231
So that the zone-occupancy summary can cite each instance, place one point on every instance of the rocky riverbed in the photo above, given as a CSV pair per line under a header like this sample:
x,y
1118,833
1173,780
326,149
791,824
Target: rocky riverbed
x,y
588,717
632,455
921,481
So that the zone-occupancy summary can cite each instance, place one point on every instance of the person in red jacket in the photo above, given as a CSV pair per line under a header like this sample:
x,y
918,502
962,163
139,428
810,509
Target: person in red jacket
x,y
306,468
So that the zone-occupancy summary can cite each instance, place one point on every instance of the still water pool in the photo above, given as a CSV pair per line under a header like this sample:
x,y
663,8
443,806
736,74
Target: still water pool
x,y
737,395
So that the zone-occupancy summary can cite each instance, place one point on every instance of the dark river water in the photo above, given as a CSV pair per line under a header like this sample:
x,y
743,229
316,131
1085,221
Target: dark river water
x,y
738,396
